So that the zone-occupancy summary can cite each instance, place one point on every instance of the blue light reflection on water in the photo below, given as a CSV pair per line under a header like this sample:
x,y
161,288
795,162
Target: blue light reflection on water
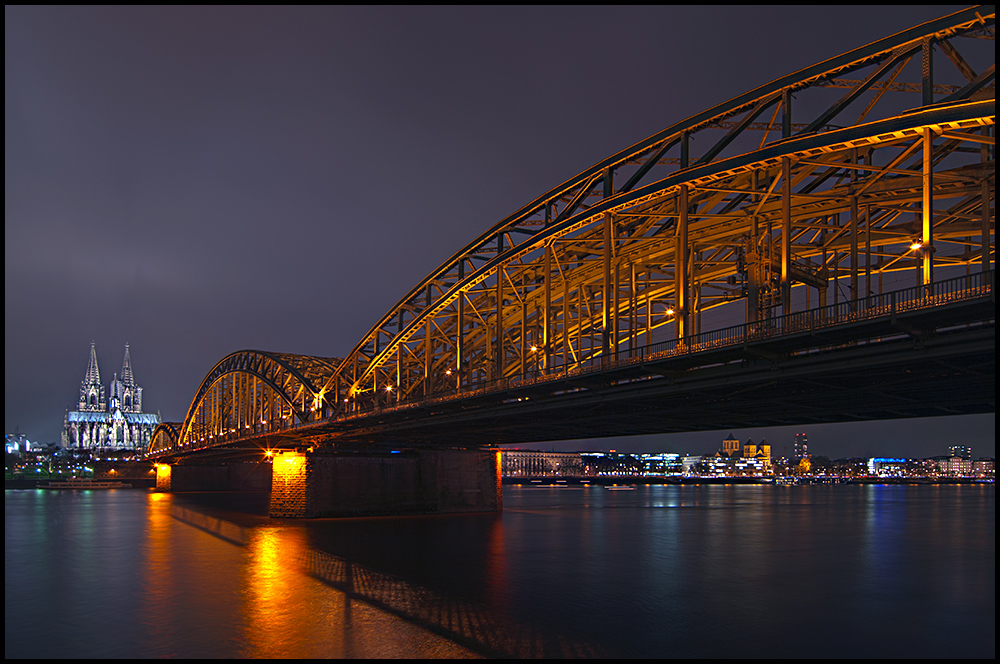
x,y
756,571
661,571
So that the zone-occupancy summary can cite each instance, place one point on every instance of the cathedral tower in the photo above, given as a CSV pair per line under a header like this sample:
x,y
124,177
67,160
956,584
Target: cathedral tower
x,y
125,394
91,391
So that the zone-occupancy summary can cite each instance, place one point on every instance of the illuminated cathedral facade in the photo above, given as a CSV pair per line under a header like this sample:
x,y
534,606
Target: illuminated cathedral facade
x,y
109,419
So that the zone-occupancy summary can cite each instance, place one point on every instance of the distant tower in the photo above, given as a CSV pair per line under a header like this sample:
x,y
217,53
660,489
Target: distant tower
x,y
963,451
91,391
764,452
801,449
731,446
125,394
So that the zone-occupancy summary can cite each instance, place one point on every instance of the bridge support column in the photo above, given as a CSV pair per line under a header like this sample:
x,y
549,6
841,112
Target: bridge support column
x,y
233,476
327,484
163,476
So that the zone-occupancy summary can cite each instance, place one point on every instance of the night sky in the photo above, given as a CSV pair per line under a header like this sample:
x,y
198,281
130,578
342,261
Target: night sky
x,y
196,181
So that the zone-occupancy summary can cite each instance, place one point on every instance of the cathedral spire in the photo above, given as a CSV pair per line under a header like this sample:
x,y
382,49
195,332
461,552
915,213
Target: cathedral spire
x,y
127,369
93,375
91,390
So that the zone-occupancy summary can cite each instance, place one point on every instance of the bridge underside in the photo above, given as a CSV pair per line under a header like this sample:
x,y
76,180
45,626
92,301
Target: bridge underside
x,y
901,367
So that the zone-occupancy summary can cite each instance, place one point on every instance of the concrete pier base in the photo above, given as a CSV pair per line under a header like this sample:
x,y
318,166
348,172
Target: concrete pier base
x,y
326,484
228,477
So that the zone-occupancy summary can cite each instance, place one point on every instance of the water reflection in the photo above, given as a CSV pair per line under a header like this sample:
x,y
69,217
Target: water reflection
x,y
666,571
370,613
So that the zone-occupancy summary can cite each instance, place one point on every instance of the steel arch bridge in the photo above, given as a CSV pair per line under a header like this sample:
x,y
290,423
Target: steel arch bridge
x,y
809,199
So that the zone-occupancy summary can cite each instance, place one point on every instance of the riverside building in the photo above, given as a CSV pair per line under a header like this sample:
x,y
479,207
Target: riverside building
x,y
108,419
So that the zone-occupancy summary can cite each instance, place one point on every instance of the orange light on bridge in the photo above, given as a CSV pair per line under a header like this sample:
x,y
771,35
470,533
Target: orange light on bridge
x,y
288,470
163,472
915,246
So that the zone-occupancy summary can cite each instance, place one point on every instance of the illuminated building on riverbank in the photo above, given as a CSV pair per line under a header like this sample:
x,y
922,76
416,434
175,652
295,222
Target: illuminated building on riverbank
x,y
112,419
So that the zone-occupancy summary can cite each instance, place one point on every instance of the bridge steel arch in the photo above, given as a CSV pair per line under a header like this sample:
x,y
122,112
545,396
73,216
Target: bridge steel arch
x,y
165,437
648,241
249,394
884,172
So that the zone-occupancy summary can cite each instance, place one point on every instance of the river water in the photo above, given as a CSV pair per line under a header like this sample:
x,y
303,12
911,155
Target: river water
x,y
658,571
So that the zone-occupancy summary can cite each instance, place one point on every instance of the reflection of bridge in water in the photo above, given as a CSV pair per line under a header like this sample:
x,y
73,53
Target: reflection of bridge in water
x,y
468,624
760,282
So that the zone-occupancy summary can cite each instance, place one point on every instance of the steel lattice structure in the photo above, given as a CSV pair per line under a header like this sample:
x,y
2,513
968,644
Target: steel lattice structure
x,y
250,393
887,171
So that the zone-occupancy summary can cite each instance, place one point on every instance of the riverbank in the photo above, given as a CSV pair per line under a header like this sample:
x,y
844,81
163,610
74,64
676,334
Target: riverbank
x,y
32,483
636,481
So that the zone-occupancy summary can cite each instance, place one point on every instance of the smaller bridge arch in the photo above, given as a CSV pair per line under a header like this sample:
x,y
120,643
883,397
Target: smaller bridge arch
x,y
252,393
164,437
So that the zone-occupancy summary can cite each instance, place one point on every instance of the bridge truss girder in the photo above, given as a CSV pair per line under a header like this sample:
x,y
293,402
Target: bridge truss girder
x,y
870,370
591,266
848,205
164,437
251,394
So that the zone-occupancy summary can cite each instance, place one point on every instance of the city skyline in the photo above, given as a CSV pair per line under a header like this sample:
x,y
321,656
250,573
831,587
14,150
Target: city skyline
x,y
224,186
843,440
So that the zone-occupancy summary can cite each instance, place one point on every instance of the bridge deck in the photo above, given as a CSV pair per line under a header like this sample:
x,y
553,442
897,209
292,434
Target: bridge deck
x,y
870,362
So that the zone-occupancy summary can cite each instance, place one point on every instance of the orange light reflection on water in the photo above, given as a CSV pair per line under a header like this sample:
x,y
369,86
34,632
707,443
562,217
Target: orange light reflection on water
x,y
291,614
272,594
213,588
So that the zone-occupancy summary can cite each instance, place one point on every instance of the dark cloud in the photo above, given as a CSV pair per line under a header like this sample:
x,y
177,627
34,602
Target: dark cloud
x,y
194,181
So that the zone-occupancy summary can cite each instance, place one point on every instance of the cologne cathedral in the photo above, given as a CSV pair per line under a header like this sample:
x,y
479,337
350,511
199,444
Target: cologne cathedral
x,y
111,420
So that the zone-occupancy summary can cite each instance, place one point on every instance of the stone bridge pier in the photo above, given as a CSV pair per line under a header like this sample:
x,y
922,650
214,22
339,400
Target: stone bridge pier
x,y
326,484
323,483
233,476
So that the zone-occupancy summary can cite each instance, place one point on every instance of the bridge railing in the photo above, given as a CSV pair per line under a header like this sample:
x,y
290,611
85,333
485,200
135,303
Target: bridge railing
x,y
915,298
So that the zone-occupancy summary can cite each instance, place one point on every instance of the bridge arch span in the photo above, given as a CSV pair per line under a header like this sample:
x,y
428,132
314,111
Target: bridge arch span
x,y
164,438
254,393
779,210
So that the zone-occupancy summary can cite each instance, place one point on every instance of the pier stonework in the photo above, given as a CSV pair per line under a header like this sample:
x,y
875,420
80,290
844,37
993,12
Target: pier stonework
x,y
327,484
231,476
289,480
163,477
